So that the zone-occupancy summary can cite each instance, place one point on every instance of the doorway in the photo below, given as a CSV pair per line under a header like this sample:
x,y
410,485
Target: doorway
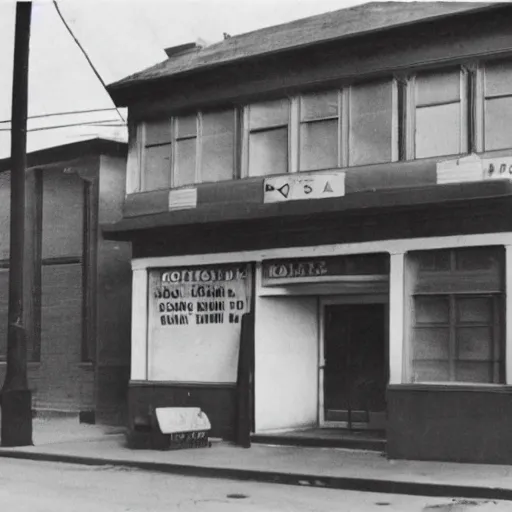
x,y
354,369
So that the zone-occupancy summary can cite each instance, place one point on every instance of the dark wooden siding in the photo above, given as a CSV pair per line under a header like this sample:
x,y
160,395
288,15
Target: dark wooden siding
x,y
478,216
463,424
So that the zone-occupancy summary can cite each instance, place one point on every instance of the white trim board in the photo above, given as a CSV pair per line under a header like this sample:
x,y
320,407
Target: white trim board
x,y
399,246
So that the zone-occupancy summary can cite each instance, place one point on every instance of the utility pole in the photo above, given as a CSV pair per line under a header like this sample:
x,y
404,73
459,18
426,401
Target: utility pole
x,y
16,399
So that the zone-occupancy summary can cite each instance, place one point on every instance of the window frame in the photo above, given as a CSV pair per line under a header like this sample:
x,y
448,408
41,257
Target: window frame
x,y
138,154
341,157
292,131
466,106
496,293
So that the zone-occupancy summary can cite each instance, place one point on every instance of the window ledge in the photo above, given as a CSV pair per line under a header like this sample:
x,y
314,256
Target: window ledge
x,y
453,386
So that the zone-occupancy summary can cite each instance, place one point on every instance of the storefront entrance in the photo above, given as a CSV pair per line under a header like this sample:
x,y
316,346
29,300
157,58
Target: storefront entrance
x,y
354,368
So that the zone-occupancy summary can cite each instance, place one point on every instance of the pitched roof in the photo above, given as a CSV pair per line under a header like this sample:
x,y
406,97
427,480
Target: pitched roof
x,y
330,26
67,152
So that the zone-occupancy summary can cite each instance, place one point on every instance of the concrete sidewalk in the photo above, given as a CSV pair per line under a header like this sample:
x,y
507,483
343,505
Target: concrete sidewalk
x,y
66,440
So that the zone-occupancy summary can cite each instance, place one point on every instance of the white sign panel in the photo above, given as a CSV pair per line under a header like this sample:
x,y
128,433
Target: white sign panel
x,y
194,317
183,199
300,186
474,168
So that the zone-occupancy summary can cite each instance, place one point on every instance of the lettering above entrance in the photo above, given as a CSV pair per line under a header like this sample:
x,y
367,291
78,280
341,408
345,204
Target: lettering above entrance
x,y
300,187
360,267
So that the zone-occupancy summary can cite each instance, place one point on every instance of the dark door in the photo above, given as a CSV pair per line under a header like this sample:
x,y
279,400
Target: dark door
x,y
355,372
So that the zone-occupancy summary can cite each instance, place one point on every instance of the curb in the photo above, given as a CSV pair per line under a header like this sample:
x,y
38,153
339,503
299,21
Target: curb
x,y
328,482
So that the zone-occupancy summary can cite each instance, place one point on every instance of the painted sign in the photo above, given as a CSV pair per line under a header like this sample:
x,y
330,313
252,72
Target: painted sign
x,y
296,187
278,272
194,322
474,168
182,199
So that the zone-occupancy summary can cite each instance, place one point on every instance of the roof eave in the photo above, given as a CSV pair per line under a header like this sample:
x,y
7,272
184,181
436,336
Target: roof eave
x,y
119,91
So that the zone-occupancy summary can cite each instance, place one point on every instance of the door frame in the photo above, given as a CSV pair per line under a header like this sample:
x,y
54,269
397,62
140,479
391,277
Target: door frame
x,y
343,300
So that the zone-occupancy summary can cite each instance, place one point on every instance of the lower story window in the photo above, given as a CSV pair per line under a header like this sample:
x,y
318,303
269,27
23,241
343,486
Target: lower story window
x,y
456,338
456,308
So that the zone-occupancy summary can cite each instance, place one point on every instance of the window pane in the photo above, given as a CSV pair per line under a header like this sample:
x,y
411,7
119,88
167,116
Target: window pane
x,y
431,310
319,145
217,159
268,152
474,310
431,343
438,130
219,122
474,343
158,132
186,126
479,258
218,142
474,372
432,260
319,105
185,170
371,124
498,79
431,371
438,88
498,123
157,167
271,113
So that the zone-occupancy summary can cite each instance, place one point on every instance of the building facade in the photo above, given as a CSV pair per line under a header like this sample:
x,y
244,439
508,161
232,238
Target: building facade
x,y
319,216
79,318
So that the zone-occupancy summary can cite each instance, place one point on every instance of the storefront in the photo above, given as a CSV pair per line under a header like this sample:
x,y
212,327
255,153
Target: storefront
x,y
408,336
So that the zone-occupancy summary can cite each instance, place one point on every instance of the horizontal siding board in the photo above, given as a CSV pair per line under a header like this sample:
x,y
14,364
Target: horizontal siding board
x,y
347,227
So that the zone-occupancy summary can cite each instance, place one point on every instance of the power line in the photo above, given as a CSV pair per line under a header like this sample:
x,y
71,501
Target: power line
x,y
67,113
90,123
98,76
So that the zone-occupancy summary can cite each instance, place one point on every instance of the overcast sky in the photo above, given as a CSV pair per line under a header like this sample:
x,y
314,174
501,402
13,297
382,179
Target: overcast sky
x,y
121,37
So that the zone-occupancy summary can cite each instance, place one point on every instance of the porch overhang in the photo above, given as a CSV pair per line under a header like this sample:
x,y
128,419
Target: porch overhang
x,y
378,201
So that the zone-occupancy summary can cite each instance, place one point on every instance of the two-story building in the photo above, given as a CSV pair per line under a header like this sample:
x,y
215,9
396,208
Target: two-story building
x,y
343,184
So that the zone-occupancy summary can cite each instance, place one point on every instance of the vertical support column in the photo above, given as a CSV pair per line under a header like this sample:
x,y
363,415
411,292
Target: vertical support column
x,y
396,317
139,325
508,314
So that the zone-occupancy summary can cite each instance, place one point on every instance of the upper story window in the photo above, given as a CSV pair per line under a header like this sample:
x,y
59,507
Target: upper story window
x,y
498,106
440,115
348,127
320,131
188,149
267,137
431,114
373,123
157,155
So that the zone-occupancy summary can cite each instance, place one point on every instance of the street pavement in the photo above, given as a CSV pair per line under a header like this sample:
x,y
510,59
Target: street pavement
x,y
57,487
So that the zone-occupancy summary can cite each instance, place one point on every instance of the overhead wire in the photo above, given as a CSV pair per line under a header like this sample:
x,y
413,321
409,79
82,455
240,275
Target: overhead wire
x,y
84,52
66,113
104,124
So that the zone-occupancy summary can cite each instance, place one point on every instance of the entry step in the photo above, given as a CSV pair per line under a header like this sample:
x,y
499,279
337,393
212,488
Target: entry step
x,y
326,438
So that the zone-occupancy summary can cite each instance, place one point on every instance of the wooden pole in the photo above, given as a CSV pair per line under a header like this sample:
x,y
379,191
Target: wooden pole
x,y
16,399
